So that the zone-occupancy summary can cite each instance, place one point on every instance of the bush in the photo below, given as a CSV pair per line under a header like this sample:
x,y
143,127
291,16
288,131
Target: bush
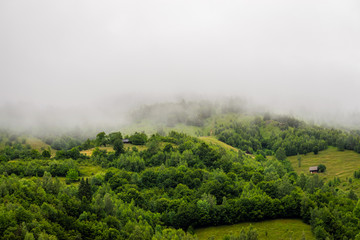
x,y
72,176
138,138
316,150
357,174
321,168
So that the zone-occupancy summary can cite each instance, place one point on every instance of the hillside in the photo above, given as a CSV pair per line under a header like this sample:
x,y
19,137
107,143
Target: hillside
x,y
242,169
340,164
216,142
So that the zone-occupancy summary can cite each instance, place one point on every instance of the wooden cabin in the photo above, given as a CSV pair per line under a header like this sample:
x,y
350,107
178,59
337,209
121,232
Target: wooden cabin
x,y
313,169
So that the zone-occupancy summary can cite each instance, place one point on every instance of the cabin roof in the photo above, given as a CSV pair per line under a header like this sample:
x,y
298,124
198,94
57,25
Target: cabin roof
x,y
315,168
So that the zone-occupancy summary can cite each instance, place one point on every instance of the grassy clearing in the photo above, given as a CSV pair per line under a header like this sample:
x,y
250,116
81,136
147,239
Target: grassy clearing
x,y
90,170
214,141
272,229
338,164
110,149
86,171
90,151
139,147
37,144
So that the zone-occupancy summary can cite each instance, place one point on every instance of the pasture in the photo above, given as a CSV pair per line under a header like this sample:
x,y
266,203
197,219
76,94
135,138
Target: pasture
x,y
341,164
272,229
214,141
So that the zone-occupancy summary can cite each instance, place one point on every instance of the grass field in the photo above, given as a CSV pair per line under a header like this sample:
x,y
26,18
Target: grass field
x,y
338,164
273,229
214,141
35,143
90,170
110,149
89,151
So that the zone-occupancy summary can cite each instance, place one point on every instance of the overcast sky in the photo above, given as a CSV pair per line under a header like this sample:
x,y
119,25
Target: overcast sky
x,y
287,53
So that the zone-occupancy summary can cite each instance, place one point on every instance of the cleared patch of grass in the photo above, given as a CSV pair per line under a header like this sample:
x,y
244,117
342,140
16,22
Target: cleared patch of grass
x,y
90,170
341,164
110,149
139,147
36,143
272,229
90,151
214,141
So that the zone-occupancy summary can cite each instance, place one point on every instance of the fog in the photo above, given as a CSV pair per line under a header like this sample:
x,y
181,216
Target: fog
x,y
77,64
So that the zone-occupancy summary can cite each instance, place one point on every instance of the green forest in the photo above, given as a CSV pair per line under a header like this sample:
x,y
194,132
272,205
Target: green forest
x,y
167,184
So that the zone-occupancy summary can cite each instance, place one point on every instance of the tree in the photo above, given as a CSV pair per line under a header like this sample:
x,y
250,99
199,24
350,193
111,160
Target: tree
x,y
118,147
321,168
357,174
280,154
29,236
168,148
114,137
46,154
84,189
316,150
72,176
340,144
138,138
299,159
101,139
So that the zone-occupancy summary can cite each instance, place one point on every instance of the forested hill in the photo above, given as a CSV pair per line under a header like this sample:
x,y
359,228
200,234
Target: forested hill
x,y
291,135
165,185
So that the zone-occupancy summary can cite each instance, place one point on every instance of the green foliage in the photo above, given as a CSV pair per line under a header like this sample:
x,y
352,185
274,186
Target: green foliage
x,y
131,162
176,182
357,174
46,154
72,176
316,150
115,136
84,190
321,168
63,143
73,153
38,167
280,154
138,138
101,139
118,147
299,160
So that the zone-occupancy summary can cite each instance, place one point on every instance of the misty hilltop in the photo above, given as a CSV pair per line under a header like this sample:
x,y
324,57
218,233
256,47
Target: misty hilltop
x,y
89,63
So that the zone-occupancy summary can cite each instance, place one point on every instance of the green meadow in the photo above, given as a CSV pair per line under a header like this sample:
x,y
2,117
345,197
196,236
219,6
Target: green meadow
x,y
214,141
341,164
273,230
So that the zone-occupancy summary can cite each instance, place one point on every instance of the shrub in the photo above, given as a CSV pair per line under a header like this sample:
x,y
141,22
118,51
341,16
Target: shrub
x,y
321,168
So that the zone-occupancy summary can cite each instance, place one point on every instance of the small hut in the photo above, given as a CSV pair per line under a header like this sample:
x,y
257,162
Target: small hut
x,y
313,169
126,140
